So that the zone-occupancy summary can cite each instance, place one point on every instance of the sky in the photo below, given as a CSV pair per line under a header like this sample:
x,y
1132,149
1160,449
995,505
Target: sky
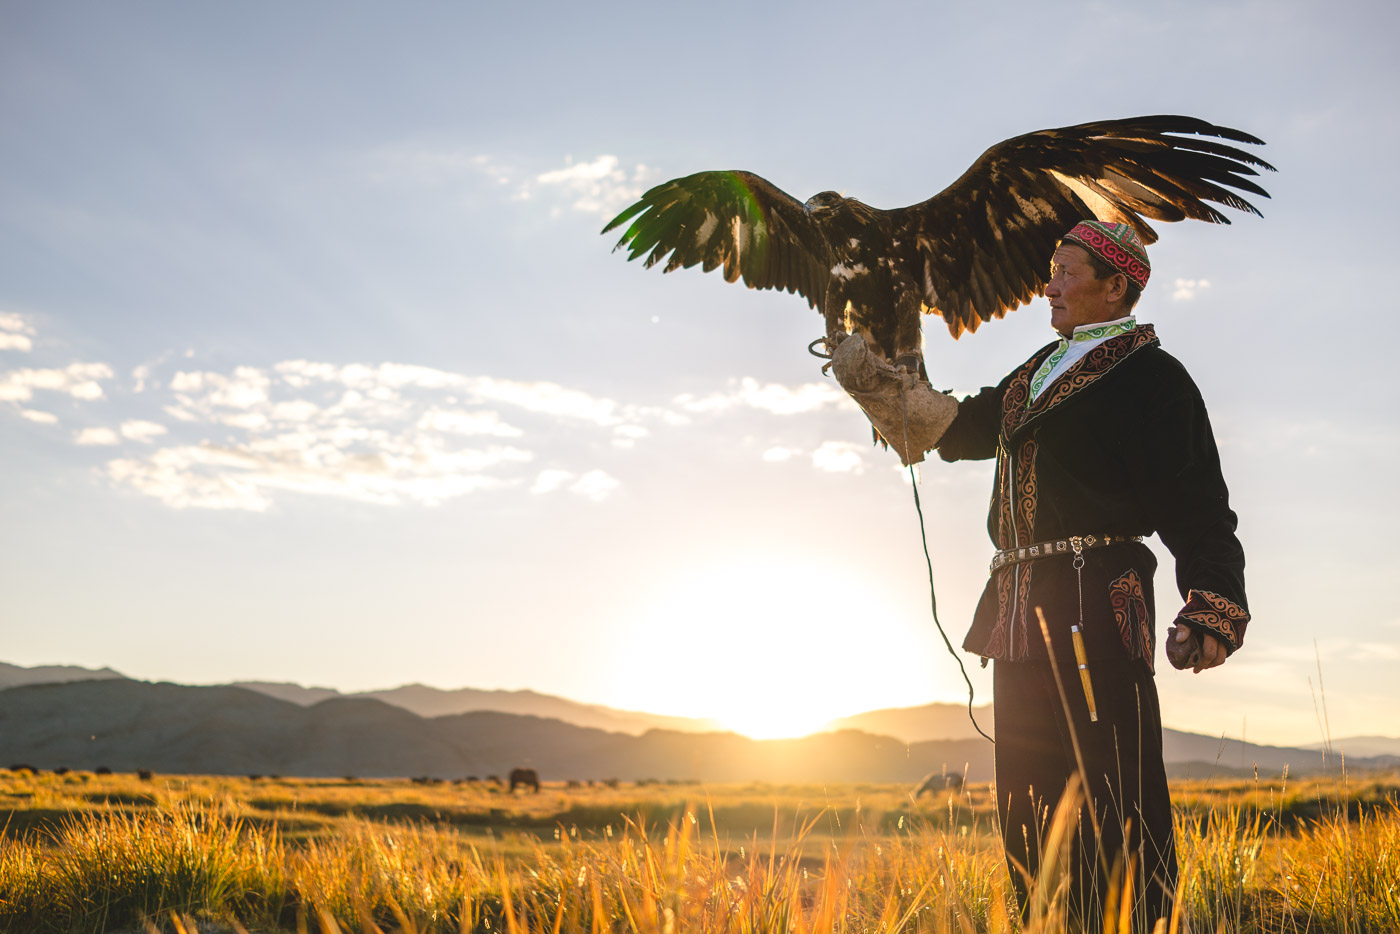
x,y
314,366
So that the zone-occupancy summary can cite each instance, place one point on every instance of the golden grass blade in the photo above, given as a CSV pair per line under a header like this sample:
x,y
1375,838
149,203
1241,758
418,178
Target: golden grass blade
x,y
1127,894
327,922
1050,888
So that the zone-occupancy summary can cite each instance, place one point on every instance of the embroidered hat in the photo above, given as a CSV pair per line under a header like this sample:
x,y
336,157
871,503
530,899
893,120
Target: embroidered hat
x,y
1115,244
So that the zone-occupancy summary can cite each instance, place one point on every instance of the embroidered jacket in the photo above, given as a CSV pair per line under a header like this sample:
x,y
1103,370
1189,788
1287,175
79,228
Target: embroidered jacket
x,y
1118,444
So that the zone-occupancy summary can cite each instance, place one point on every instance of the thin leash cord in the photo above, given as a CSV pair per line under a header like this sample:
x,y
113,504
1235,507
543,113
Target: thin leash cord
x,y
928,561
933,603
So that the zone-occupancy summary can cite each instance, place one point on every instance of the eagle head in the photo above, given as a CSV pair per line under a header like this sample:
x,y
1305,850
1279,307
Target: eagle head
x,y
823,204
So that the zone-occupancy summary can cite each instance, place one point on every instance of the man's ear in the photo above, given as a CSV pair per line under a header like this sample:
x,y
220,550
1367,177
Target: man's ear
x,y
1118,287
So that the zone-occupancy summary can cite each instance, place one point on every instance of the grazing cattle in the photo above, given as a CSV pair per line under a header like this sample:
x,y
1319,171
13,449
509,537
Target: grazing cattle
x,y
144,774
526,777
573,783
938,781
102,770
62,770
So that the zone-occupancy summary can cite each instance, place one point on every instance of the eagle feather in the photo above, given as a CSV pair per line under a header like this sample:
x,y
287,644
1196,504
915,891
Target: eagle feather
x,y
971,253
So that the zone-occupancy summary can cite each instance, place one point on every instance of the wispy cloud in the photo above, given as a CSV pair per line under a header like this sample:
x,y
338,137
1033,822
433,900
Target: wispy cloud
x,y
383,383
596,485
1186,289
627,436
386,432
838,457
774,398
601,186
79,380
458,422
241,476
15,332
139,430
96,436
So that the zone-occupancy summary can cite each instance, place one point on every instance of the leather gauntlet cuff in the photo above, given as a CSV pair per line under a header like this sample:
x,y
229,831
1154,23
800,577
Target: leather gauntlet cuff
x,y
1221,617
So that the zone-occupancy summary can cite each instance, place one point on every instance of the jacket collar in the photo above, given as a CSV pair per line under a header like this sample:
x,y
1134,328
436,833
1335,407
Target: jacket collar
x,y
1089,369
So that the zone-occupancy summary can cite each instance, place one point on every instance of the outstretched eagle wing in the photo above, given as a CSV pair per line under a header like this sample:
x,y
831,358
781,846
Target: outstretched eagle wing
x,y
732,219
982,246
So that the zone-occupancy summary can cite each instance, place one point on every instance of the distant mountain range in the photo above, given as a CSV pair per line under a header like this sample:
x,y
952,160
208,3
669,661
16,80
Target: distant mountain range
x,y
106,719
1362,746
419,698
12,676
127,725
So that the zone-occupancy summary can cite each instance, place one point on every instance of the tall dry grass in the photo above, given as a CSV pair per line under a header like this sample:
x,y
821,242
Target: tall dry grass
x,y
203,859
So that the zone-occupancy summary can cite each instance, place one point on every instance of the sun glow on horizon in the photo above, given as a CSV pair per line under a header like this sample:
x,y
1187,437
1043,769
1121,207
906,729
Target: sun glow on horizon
x,y
771,649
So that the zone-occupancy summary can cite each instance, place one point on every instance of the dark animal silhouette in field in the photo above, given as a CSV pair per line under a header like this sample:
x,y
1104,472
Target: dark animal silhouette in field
x,y
524,777
145,774
939,781
102,770
22,767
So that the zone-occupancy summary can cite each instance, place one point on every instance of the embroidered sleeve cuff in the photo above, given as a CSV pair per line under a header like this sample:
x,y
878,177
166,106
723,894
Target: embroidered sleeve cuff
x,y
1216,615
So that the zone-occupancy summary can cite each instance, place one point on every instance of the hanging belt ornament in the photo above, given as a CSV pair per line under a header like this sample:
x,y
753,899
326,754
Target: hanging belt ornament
x,y
1076,632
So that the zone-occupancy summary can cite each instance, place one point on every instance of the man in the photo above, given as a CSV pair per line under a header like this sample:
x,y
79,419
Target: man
x,y
1101,439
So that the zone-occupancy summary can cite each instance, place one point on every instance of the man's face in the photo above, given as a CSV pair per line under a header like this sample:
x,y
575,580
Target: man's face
x,y
1076,297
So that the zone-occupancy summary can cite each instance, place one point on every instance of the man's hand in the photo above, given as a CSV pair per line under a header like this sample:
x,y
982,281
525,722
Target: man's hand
x,y
1212,652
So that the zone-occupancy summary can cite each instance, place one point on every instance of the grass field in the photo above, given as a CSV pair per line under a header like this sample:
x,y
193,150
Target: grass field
x,y
100,853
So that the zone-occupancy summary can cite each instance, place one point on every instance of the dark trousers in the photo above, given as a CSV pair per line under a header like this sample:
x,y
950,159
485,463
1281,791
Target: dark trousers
x,y
1126,779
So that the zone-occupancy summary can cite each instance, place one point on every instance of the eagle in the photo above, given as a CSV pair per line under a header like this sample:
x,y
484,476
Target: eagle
x,y
972,252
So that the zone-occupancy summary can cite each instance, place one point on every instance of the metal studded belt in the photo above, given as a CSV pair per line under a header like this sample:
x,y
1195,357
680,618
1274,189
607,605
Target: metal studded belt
x,y
1075,544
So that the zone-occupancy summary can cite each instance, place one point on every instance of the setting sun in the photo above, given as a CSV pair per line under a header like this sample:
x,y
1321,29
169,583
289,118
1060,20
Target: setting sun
x,y
772,649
